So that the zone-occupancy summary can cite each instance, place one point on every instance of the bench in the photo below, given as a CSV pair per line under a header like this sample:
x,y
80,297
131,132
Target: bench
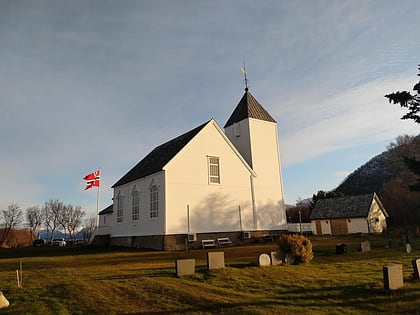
x,y
224,241
208,243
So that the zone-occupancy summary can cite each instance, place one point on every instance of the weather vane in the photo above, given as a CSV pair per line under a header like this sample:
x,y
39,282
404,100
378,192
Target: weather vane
x,y
245,78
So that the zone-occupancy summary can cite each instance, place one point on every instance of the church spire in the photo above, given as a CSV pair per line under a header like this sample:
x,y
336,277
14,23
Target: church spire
x,y
245,78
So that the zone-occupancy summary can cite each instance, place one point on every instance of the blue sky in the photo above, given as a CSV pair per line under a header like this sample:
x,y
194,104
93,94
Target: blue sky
x,y
88,84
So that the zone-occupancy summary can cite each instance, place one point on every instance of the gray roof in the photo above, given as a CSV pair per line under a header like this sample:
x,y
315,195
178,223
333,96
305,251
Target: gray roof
x,y
108,209
344,207
248,107
159,157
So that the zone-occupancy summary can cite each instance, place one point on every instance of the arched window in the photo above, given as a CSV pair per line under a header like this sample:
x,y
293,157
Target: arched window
x,y
154,202
135,209
120,208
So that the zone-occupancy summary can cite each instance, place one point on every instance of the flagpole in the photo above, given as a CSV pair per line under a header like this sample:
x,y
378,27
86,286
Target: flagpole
x,y
97,202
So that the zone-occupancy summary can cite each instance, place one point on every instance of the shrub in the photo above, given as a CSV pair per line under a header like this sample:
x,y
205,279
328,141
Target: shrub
x,y
298,246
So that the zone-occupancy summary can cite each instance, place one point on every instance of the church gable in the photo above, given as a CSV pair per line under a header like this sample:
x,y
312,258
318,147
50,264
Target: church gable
x,y
158,157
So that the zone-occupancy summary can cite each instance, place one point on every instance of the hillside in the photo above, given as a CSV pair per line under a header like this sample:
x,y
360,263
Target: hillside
x,y
371,176
381,169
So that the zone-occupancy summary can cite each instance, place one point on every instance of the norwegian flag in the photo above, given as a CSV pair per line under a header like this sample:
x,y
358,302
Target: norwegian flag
x,y
93,179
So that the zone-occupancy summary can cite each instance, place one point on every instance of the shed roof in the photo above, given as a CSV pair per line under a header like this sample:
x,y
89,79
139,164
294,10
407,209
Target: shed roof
x,y
159,157
344,207
248,107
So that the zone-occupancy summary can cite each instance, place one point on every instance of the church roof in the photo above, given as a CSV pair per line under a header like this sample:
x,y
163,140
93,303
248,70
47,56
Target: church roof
x,y
159,157
108,209
344,207
248,107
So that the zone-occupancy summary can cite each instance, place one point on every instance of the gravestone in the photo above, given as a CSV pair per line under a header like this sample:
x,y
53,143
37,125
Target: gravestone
x,y
404,239
408,248
410,240
185,267
393,277
340,248
364,246
277,258
392,244
3,301
264,260
215,260
416,268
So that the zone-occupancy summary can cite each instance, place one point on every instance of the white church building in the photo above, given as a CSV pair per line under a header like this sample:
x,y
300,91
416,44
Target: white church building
x,y
204,184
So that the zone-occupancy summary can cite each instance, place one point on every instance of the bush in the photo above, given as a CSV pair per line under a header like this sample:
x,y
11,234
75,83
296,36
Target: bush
x,y
297,246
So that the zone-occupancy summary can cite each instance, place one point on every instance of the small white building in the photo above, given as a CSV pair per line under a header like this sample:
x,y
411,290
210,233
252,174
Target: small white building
x,y
349,215
203,184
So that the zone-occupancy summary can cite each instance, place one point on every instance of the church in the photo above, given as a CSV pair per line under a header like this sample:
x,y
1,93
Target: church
x,y
205,184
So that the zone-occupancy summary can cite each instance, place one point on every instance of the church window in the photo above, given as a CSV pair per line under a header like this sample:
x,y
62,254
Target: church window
x,y
154,202
135,211
120,208
214,170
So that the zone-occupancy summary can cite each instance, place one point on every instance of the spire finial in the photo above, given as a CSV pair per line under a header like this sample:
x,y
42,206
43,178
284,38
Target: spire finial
x,y
245,78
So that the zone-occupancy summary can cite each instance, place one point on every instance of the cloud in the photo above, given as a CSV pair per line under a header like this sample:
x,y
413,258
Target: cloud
x,y
357,116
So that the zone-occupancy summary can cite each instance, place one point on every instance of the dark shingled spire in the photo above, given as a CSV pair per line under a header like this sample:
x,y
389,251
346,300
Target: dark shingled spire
x,y
248,107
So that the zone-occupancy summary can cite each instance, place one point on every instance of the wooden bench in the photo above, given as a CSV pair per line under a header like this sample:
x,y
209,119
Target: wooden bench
x,y
223,241
208,243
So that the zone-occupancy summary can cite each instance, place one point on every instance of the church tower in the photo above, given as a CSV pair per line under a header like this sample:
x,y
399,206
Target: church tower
x,y
253,131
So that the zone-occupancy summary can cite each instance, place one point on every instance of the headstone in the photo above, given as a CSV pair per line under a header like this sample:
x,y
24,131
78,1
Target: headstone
x,y
215,260
264,260
408,248
392,243
410,240
185,267
365,246
393,277
416,268
3,301
404,239
276,258
340,248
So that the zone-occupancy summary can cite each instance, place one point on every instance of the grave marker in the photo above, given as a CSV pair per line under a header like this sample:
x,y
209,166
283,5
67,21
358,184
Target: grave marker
x,y
365,246
393,277
3,301
416,268
264,260
215,260
185,267
276,258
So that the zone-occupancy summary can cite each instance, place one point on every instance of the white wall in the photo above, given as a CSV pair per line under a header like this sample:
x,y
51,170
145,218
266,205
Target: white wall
x,y
145,225
258,143
357,225
377,219
212,207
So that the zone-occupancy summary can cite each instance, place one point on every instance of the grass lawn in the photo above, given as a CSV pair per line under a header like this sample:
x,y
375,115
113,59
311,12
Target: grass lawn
x,y
83,280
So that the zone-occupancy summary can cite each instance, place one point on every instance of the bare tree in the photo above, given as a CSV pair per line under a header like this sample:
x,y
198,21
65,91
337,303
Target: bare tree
x,y
90,225
76,215
10,218
35,217
53,211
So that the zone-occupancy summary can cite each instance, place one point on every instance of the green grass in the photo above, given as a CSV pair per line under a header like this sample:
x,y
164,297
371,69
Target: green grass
x,y
128,281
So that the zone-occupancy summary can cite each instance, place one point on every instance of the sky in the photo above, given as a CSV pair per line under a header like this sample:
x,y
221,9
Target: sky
x,y
99,83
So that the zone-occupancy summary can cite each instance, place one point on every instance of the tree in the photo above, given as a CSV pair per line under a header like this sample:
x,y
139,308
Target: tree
x,y
412,102
10,218
52,215
324,195
90,226
35,217
407,100
75,220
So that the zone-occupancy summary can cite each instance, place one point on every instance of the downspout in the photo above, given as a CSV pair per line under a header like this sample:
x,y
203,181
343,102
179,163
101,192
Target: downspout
x,y
254,208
